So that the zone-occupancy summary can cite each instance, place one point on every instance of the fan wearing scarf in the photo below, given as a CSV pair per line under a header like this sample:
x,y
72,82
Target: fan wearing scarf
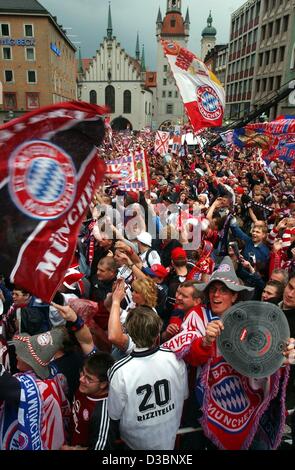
x,y
34,405
238,412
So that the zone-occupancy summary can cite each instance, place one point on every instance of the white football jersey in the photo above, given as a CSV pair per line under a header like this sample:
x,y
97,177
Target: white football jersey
x,y
147,391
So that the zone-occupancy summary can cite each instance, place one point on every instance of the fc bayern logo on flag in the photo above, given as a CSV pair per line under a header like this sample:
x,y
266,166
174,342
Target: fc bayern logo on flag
x,y
209,103
42,179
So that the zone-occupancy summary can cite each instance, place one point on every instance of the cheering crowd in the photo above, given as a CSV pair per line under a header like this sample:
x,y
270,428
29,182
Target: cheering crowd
x,y
125,356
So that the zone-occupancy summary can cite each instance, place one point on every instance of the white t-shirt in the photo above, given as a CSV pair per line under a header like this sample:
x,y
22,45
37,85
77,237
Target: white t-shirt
x,y
149,258
147,391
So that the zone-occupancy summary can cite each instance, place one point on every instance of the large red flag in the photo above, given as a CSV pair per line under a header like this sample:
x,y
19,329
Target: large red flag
x,y
48,173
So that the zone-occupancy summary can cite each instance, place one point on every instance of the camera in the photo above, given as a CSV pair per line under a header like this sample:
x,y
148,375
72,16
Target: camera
x,y
235,248
252,259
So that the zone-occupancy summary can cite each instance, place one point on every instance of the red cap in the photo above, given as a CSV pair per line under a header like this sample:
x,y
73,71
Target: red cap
x,y
133,195
178,253
239,190
159,270
156,270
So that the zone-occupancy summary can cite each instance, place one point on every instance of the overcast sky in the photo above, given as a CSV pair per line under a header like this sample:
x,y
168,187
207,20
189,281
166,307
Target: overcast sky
x,y
88,20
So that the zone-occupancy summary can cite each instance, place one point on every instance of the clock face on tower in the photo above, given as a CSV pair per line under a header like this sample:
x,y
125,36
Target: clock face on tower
x,y
174,4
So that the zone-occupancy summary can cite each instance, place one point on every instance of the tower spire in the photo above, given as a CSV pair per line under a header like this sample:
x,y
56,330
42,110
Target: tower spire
x,y
187,19
137,49
142,64
80,63
110,26
159,18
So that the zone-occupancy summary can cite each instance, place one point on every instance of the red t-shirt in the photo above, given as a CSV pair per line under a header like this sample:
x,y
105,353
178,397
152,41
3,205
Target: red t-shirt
x,y
82,410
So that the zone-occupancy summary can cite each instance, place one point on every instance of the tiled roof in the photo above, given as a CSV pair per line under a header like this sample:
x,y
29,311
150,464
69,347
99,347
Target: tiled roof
x,y
30,6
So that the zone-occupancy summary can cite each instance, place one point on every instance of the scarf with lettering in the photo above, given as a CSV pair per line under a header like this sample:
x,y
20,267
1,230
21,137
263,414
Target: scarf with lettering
x,y
37,423
237,409
91,242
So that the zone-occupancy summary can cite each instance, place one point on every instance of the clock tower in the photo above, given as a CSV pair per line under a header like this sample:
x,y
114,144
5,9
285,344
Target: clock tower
x,y
169,107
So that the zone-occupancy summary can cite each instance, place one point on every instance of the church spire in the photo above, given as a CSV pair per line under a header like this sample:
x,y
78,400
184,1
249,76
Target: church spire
x,y
110,26
142,64
159,18
187,19
80,63
137,49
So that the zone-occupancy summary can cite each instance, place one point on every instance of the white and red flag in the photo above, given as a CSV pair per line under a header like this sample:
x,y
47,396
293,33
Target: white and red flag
x,y
202,93
162,142
49,172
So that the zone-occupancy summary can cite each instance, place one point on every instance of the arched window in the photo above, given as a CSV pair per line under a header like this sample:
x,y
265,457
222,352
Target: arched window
x,y
93,97
110,98
127,102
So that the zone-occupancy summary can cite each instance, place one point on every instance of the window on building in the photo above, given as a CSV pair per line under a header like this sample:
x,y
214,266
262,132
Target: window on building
x,y
127,102
282,53
255,35
9,101
8,74
173,23
257,9
164,94
164,81
7,53
32,76
169,94
274,55
93,97
285,23
263,84
267,57
278,26
110,97
257,86
263,31
270,83
145,107
149,108
30,53
165,68
5,29
278,84
176,94
32,100
28,30
270,29
266,5
169,109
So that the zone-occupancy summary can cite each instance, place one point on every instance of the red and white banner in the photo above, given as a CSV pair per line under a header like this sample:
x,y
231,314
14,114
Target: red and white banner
x,y
130,172
48,175
162,142
202,93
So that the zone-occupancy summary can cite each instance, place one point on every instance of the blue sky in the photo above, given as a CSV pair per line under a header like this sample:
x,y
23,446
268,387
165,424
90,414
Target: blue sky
x,y
88,20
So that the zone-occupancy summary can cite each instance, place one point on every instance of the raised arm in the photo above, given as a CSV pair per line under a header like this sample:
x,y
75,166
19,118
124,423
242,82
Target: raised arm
x,y
116,334
77,325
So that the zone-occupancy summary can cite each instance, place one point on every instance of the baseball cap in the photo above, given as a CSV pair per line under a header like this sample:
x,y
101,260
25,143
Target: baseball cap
x,y
178,253
157,270
145,238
